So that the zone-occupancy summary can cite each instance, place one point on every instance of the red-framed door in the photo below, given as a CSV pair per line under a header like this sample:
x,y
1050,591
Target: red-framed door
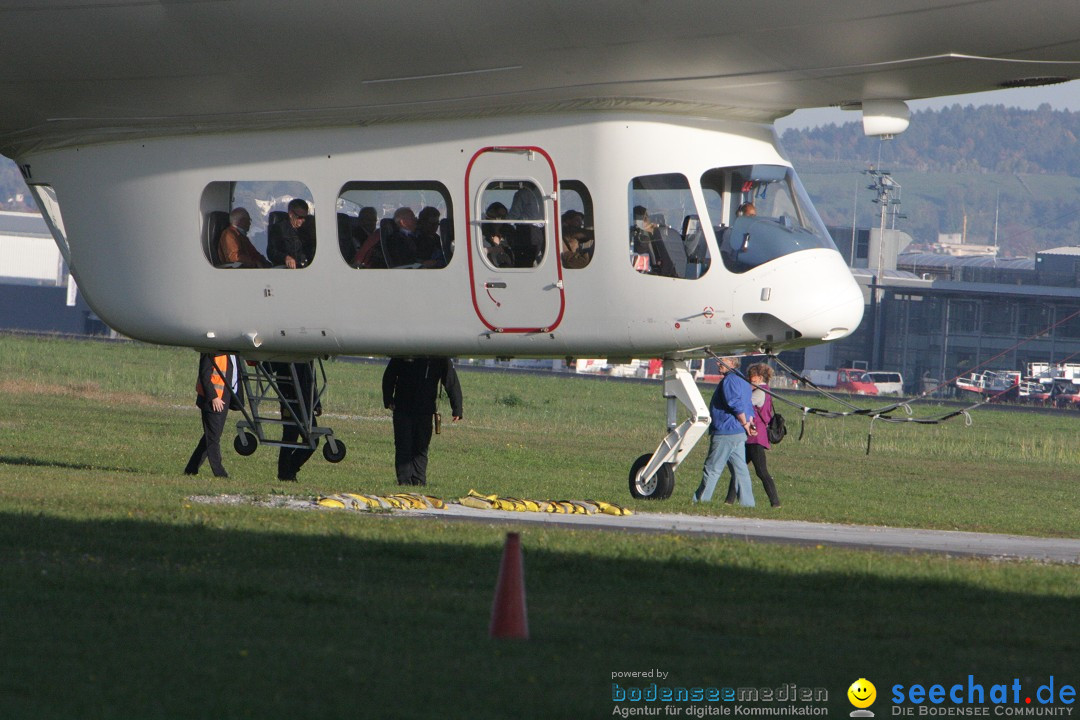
x,y
514,271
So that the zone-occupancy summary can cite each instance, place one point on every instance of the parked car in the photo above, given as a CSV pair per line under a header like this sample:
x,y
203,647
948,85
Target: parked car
x,y
849,380
888,383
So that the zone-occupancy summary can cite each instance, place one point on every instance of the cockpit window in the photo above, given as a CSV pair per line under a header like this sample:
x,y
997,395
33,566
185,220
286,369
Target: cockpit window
x,y
760,213
657,248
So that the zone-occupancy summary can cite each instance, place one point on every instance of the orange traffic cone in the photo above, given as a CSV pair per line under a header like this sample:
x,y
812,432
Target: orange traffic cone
x,y
508,616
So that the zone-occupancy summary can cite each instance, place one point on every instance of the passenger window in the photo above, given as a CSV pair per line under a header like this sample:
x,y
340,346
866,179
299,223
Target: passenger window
x,y
657,248
578,236
513,230
395,225
260,224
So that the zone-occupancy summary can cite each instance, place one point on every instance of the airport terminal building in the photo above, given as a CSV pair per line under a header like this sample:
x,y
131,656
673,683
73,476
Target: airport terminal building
x,y
933,317
37,294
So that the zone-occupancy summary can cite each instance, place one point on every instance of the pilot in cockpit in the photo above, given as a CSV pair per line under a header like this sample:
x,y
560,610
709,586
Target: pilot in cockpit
x,y
747,209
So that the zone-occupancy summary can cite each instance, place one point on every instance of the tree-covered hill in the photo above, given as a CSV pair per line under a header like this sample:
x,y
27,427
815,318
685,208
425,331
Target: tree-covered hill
x,y
954,164
958,139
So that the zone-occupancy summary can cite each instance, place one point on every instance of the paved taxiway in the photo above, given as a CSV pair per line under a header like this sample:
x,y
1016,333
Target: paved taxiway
x,y
949,542
792,532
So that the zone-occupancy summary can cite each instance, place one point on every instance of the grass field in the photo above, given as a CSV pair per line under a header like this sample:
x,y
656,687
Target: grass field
x,y
121,598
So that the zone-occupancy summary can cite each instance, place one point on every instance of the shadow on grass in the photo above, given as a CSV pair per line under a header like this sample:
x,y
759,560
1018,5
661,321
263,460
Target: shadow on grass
x,y
127,619
37,462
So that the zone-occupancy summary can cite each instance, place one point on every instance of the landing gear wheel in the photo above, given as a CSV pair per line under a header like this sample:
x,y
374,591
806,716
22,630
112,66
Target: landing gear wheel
x,y
330,455
659,487
245,444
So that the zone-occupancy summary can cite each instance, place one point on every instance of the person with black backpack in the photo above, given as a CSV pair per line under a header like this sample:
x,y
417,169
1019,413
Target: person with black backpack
x,y
759,375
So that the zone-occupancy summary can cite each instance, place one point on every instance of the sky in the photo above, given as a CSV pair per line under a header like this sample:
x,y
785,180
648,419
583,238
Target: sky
x,y
1060,97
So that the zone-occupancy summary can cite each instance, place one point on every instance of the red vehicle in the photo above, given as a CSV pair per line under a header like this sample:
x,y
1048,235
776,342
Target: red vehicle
x,y
855,381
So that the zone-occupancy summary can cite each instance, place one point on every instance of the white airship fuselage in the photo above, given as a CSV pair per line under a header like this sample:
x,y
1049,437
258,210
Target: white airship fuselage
x,y
135,215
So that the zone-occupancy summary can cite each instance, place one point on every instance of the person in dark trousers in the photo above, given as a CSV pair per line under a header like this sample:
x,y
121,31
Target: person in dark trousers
x,y
217,392
759,375
409,389
732,422
291,459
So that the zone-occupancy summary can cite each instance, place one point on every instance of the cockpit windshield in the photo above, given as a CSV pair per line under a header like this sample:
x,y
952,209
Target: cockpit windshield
x,y
760,213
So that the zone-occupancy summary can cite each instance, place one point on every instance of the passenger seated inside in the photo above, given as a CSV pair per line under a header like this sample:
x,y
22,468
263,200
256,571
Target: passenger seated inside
x,y
577,242
656,248
429,250
496,246
527,242
234,247
643,233
368,240
401,244
747,209
289,244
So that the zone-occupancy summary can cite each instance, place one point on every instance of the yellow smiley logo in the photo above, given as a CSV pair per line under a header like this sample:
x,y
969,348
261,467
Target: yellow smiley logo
x,y
862,693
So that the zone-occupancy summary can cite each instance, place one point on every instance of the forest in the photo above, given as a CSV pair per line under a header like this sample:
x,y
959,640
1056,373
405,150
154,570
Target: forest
x,y
962,169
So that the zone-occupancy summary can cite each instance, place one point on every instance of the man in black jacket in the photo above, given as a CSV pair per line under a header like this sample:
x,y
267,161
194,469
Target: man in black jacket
x,y
401,244
409,389
290,241
429,252
217,391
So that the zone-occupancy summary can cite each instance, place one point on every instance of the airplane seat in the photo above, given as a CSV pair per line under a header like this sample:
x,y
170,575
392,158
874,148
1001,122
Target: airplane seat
x,y
697,249
446,239
275,217
692,234
731,247
673,247
724,240
687,223
527,244
346,236
662,262
216,222
307,234
387,227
